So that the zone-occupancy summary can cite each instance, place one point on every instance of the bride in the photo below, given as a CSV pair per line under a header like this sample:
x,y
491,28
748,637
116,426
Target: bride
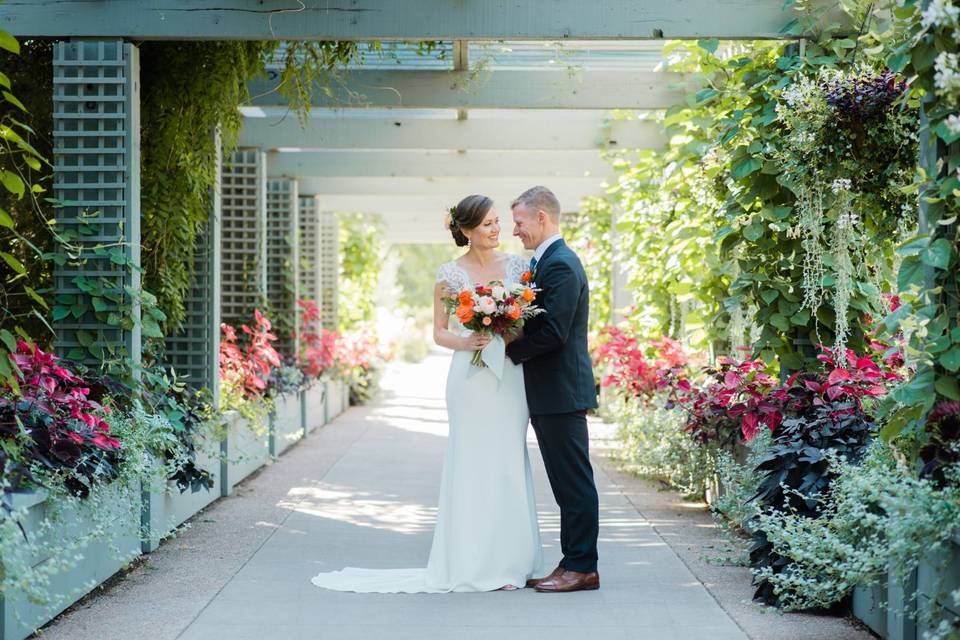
x,y
487,536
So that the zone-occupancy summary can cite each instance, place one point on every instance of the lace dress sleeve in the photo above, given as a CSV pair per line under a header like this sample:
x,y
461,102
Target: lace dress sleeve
x,y
449,275
516,267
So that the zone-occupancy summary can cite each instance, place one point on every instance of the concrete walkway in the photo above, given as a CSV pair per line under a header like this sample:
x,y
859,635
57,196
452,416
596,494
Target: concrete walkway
x,y
362,492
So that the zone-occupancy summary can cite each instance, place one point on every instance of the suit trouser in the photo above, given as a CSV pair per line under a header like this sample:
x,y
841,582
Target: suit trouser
x,y
565,446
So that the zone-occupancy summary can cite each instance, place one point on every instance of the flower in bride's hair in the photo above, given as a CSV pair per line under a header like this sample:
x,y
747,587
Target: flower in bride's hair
x,y
450,220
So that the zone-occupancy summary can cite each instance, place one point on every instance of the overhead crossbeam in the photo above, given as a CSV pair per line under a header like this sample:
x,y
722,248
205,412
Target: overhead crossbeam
x,y
491,89
396,19
570,131
438,164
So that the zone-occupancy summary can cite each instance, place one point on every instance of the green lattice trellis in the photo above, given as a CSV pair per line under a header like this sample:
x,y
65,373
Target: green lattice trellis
x,y
243,237
96,133
309,248
282,260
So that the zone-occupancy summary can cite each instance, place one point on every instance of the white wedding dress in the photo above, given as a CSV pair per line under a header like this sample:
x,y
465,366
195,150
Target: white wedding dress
x,y
487,535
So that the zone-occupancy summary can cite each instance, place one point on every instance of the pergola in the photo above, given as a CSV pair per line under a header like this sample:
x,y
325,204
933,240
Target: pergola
x,y
405,138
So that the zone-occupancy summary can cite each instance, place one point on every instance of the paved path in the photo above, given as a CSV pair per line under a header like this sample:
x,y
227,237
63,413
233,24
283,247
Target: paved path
x,y
362,492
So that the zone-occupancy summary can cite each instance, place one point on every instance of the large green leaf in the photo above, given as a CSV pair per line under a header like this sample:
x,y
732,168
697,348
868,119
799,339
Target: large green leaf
x,y
745,167
937,254
948,386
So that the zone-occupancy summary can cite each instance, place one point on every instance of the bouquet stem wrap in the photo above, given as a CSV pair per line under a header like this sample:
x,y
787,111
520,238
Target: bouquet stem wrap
x,y
492,356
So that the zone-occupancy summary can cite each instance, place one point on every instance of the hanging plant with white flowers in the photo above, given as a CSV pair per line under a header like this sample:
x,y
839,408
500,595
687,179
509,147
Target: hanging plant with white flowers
x,y
849,157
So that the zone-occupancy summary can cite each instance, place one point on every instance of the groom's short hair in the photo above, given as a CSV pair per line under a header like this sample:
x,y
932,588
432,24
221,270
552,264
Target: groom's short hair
x,y
540,198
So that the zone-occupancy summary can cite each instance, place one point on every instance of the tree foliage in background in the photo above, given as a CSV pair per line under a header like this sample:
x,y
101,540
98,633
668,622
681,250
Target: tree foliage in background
x,y
361,255
588,233
419,262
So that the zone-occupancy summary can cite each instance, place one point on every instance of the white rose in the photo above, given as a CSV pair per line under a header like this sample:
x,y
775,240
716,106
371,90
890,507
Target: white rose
x,y
499,293
487,305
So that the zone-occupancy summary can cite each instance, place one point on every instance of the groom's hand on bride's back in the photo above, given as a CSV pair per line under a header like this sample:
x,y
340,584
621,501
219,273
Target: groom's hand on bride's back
x,y
513,336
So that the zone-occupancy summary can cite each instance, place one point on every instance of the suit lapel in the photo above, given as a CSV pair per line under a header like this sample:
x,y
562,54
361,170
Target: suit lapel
x,y
549,252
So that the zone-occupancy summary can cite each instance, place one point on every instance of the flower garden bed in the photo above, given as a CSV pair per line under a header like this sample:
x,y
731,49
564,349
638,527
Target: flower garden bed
x,y
286,422
100,559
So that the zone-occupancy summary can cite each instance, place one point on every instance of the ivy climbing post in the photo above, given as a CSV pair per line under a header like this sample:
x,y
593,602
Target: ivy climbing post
x,y
96,146
282,262
194,349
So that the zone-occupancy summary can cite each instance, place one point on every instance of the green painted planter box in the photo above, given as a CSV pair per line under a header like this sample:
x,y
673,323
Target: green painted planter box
x,y
286,422
335,397
314,406
165,510
937,576
20,618
242,451
868,606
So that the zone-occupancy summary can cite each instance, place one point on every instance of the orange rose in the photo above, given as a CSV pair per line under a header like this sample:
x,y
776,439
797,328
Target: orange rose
x,y
466,298
526,277
514,312
465,314
528,295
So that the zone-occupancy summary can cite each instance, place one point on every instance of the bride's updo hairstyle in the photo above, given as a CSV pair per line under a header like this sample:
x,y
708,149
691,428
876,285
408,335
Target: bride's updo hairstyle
x,y
468,214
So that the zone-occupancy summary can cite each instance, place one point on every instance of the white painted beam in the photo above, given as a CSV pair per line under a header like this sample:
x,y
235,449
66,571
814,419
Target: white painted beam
x,y
434,206
396,19
491,89
445,187
441,130
439,164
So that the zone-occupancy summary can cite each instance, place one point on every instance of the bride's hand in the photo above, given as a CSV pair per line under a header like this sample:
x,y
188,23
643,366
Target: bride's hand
x,y
476,341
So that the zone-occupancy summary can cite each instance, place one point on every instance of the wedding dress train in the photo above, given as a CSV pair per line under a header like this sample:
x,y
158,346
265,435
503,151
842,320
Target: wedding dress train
x,y
487,535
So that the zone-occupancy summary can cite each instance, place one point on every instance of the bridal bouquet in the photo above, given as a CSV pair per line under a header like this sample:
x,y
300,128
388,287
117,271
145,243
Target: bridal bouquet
x,y
496,309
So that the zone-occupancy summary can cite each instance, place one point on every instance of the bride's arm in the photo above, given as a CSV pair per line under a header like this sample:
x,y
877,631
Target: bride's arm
x,y
442,334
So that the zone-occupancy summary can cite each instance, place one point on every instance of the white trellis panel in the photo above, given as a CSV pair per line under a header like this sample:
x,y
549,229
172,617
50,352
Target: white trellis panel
x,y
243,240
309,248
329,267
96,148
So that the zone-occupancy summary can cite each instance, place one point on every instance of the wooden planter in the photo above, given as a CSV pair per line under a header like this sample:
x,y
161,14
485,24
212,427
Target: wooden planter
x,y
314,406
166,510
242,451
937,576
20,618
286,422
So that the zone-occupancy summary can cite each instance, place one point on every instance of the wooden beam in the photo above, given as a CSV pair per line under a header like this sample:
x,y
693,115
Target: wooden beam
x,y
539,131
491,89
395,19
439,163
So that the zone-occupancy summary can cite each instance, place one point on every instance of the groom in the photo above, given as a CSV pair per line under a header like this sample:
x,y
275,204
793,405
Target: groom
x,y
560,388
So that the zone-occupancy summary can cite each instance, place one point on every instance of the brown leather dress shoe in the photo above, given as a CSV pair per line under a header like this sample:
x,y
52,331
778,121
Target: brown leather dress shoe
x,y
568,581
532,582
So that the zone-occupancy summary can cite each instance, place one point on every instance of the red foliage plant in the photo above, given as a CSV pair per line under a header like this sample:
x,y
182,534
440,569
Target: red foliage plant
x,y
249,368
53,406
319,347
